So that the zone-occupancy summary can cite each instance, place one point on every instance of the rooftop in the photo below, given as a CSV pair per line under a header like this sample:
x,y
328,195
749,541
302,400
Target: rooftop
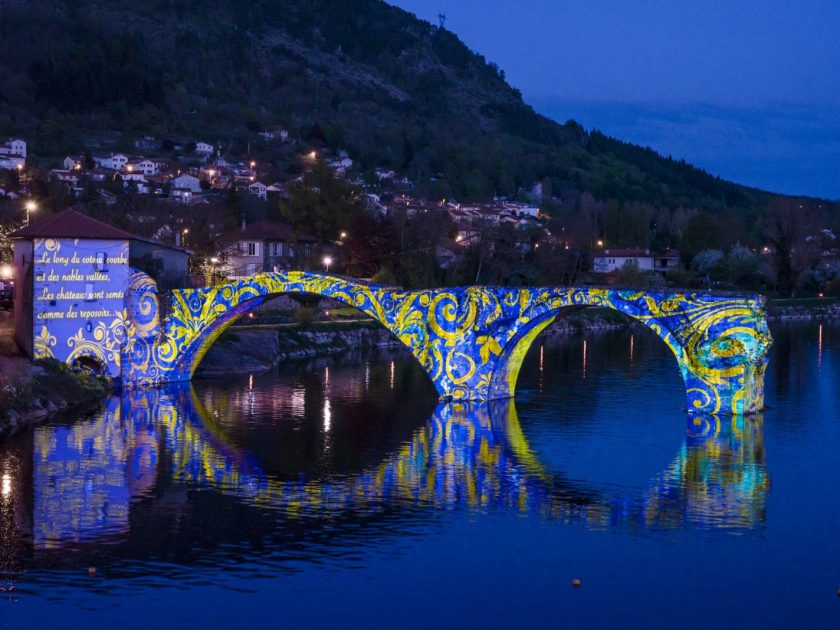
x,y
70,224
263,231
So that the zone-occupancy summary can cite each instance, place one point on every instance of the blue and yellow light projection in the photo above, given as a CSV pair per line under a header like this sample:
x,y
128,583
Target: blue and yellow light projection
x,y
79,300
87,476
471,341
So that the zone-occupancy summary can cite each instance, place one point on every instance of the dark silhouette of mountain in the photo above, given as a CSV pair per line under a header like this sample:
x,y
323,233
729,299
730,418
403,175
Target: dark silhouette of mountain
x,y
361,75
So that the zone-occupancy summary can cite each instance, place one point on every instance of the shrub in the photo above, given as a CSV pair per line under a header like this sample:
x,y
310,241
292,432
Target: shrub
x,y
304,316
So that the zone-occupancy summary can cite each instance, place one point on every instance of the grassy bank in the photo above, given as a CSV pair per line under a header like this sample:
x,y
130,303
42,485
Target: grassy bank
x,y
32,392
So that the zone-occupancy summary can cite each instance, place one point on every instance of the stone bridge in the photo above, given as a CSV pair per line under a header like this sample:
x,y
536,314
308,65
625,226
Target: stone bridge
x,y
471,341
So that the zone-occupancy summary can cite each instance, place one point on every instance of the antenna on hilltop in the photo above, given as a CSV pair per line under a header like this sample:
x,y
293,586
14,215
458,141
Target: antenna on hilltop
x,y
441,20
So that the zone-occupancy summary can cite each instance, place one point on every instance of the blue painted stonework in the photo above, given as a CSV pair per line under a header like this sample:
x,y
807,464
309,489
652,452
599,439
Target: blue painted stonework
x,y
470,340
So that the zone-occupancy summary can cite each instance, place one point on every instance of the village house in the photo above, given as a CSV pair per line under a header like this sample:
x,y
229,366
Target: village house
x,y
262,246
610,260
11,162
70,177
203,147
114,162
182,195
143,166
71,275
186,181
74,162
14,146
258,189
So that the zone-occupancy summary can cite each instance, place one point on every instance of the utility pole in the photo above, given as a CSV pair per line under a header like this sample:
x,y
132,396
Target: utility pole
x,y
441,20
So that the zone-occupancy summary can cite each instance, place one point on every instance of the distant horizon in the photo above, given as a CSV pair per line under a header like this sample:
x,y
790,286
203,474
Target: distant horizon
x,y
748,94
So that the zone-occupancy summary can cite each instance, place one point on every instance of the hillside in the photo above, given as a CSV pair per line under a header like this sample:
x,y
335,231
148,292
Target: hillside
x,y
360,75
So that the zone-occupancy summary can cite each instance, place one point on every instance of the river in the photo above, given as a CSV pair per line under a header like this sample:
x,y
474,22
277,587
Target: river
x,y
338,493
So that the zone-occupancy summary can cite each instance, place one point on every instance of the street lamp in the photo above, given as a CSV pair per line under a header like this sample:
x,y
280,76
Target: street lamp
x,y
600,243
327,262
343,235
31,206
214,261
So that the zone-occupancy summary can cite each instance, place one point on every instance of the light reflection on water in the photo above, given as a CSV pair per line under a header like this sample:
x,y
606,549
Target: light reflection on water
x,y
339,460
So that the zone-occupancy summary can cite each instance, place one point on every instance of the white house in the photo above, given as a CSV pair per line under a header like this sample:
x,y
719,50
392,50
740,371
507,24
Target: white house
x,y
11,162
203,147
614,259
14,146
143,166
115,162
341,165
258,189
73,162
183,195
186,181
65,175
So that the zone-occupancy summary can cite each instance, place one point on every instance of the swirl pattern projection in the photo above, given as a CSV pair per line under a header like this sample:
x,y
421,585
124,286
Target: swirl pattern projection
x,y
470,340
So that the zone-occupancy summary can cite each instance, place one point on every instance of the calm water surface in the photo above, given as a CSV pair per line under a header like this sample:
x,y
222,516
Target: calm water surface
x,y
339,493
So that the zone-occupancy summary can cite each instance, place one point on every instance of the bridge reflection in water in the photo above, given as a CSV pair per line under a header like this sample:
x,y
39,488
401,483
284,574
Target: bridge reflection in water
x,y
85,477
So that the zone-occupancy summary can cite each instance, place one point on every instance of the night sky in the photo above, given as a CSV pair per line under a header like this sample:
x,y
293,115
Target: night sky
x,y
749,91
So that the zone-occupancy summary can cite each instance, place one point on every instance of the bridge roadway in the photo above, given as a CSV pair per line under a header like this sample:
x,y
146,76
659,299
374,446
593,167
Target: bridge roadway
x,y
471,341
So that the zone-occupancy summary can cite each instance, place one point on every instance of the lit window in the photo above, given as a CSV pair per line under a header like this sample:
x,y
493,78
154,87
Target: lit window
x,y
101,262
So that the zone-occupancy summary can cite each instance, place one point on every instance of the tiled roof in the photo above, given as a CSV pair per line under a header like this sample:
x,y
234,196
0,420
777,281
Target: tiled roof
x,y
70,224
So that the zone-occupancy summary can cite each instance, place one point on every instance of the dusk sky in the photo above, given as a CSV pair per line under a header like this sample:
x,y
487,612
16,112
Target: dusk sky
x,y
749,91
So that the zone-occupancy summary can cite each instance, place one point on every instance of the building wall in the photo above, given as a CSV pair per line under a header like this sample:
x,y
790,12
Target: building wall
x,y
604,264
175,263
23,295
79,302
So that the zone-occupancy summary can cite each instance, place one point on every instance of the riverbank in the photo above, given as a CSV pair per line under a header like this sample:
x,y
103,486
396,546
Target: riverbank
x,y
804,309
34,392
262,347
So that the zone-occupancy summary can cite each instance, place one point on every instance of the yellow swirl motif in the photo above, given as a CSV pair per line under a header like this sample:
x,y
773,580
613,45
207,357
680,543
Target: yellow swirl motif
x,y
464,337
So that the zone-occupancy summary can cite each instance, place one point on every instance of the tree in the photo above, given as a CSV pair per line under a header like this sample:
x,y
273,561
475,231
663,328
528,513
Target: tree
x,y
321,204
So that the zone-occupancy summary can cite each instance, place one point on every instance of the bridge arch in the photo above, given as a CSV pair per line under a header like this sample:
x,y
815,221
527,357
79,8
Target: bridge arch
x,y
720,343
171,351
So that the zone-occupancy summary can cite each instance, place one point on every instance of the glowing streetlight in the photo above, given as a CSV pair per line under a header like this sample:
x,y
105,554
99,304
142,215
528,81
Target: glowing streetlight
x,y
313,155
327,260
253,164
343,235
5,271
31,206
600,243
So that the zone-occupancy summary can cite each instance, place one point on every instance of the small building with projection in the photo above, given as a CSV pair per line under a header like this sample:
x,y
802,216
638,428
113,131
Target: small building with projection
x,y
71,275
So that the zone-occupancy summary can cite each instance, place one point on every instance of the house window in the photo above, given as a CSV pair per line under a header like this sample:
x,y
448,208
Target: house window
x,y
277,248
101,263
252,249
307,249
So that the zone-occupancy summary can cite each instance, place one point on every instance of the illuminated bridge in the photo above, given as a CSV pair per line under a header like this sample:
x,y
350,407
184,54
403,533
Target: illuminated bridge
x,y
471,341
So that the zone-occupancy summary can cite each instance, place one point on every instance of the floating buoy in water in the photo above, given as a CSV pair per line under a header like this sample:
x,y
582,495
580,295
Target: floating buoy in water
x,y
576,582
91,571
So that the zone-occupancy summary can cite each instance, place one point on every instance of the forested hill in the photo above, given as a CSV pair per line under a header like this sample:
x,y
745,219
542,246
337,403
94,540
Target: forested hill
x,y
361,75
